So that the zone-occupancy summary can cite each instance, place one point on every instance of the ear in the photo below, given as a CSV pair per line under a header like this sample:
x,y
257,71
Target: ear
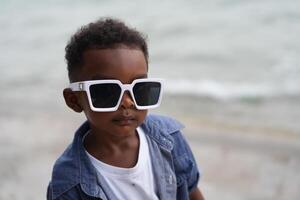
x,y
71,100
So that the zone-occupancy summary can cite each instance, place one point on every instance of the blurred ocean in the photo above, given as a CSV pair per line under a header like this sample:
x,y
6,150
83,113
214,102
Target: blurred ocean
x,y
231,66
224,50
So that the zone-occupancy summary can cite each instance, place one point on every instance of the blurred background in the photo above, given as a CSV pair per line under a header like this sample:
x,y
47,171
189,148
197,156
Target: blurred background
x,y
232,71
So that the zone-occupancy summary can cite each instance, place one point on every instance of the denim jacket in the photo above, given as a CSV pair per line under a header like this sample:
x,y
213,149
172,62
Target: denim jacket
x,y
174,167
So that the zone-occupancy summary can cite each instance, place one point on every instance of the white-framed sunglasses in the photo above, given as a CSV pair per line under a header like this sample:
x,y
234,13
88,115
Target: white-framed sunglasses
x,y
106,95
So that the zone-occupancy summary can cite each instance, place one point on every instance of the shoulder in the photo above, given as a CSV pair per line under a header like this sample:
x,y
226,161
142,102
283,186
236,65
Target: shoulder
x,y
74,192
165,124
168,132
64,174
66,171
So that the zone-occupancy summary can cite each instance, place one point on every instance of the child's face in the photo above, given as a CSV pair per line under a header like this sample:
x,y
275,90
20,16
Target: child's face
x,y
125,65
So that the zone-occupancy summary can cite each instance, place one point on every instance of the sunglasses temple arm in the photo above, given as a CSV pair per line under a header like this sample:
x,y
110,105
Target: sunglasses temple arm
x,y
78,86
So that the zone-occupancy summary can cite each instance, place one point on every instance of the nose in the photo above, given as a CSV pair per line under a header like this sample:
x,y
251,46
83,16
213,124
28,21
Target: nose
x,y
127,101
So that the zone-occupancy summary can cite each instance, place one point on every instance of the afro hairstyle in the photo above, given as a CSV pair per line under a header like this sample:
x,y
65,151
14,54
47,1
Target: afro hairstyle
x,y
104,33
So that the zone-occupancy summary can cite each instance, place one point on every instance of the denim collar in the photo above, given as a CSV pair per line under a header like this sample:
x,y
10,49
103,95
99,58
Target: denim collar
x,y
160,128
74,167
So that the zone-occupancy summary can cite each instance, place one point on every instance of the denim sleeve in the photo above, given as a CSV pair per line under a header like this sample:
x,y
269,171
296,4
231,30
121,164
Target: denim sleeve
x,y
184,162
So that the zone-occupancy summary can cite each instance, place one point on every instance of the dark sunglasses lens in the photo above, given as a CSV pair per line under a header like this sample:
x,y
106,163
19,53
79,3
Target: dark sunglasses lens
x,y
147,93
105,95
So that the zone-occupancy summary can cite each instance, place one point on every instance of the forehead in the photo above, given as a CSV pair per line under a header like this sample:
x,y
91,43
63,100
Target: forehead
x,y
124,64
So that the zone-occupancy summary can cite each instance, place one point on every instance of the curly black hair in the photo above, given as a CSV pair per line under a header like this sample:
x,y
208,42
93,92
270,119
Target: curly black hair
x,y
102,34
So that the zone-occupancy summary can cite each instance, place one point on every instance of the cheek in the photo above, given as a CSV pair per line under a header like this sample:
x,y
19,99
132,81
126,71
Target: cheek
x,y
90,115
142,115
84,102
98,119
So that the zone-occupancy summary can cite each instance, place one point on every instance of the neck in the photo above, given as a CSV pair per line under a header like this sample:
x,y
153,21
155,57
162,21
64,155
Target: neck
x,y
112,149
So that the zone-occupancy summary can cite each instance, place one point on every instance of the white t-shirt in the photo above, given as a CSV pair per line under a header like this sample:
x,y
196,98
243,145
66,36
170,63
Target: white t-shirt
x,y
130,183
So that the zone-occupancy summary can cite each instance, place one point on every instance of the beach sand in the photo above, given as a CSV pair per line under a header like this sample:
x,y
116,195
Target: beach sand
x,y
237,162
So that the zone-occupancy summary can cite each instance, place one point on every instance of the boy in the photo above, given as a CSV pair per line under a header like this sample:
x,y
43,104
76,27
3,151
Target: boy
x,y
120,152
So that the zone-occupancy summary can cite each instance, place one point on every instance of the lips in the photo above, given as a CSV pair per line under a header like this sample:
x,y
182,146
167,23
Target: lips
x,y
124,120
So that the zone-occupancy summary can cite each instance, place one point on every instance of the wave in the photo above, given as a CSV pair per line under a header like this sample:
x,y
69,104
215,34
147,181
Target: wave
x,y
230,90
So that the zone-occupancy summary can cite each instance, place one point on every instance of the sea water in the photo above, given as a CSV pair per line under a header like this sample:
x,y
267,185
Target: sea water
x,y
230,52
